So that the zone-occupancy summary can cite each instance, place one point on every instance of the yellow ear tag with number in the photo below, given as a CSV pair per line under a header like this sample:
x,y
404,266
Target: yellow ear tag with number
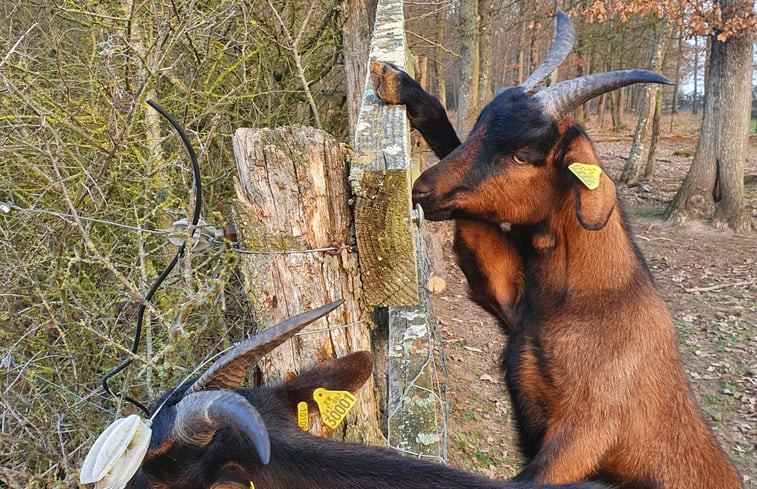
x,y
333,405
302,416
588,174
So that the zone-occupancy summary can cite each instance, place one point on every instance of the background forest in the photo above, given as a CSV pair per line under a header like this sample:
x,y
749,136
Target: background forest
x,y
92,178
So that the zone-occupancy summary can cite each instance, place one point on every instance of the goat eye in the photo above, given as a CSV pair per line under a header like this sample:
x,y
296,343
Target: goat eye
x,y
519,161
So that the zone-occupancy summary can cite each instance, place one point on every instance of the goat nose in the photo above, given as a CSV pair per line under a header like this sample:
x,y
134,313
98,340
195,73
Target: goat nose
x,y
421,190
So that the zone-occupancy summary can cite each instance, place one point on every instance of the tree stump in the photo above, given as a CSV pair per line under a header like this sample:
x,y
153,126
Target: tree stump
x,y
293,197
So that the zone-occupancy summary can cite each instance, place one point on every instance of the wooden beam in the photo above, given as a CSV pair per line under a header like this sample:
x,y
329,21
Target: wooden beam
x,y
382,177
394,270
413,408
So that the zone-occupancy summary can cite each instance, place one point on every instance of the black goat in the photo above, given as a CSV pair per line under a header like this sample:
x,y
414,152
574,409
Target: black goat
x,y
591,362
206,436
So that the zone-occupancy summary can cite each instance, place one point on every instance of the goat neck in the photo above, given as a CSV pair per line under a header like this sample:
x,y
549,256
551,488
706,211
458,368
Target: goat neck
x,y
583,245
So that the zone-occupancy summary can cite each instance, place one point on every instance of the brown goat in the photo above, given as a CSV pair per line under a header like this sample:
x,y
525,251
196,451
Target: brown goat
x,y
591,363
206,436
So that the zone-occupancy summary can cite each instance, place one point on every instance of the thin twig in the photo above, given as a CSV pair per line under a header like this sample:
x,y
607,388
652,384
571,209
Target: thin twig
x,y
433,43
13,49
294,48
658,238
720,286
90,245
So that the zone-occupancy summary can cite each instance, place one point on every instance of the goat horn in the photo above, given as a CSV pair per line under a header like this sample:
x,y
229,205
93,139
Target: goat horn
x,y
565,35
230,370
563,97
200,415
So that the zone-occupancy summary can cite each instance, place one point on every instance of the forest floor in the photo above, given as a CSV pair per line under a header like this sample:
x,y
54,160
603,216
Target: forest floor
x,y
708,279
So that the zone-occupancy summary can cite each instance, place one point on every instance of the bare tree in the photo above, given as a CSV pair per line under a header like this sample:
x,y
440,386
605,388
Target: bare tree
x,y
714,186
485,51
663,29
467,92
356,28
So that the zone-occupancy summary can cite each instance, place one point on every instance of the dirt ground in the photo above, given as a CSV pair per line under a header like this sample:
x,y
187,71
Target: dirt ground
x,y
709,281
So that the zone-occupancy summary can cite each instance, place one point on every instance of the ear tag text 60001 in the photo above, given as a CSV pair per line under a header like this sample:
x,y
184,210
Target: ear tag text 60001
x,y
587,174
302,416
333,405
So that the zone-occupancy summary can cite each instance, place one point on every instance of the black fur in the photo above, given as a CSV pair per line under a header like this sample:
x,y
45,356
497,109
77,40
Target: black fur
x,y
298,459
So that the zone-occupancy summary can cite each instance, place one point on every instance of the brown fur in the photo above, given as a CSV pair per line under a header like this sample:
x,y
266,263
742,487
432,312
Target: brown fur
x,y
591,364
492,266
594,371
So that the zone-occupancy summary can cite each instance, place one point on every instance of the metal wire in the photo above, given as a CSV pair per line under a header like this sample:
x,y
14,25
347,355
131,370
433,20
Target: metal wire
x,y
212,241
64,216
435,365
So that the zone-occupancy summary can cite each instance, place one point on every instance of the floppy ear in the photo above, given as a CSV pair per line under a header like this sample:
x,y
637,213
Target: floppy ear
x,y
594,191
594,207
347,373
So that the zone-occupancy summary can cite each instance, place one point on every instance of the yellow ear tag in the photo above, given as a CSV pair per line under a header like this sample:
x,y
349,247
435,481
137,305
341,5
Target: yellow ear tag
x,y
252,486
333,405
302,416
588,174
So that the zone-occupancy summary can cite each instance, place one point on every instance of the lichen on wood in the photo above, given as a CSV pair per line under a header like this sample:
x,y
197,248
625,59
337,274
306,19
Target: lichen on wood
x,y
381,178
394,270
293,197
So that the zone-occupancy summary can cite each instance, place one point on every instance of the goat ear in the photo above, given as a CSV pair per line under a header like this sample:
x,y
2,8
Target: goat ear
x,y
347,373
595,196
594,191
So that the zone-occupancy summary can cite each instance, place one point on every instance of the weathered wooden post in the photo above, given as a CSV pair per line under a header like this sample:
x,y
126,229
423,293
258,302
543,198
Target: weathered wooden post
x,y
394,270
292,200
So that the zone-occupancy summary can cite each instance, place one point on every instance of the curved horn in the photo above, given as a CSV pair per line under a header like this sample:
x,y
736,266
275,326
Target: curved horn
x,y
565,96
565,35
230,370
200,415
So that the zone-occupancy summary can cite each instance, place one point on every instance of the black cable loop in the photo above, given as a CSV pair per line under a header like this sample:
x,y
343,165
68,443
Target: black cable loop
x,y
169,267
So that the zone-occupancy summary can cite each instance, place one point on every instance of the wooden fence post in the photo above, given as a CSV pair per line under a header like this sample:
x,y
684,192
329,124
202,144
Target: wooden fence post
x,y
292,197
394,268
382,177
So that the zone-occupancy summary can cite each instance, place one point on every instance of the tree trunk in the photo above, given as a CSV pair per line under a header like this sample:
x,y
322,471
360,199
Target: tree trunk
x,y
677,80
438,63
580,71
356,29
485,50
736,70
694,108
601,110
616,102
467,94
714,186
652,157
293,197
632,168
522,46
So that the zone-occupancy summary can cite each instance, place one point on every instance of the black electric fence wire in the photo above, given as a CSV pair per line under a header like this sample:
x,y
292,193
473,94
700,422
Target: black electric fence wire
x,y
169,267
